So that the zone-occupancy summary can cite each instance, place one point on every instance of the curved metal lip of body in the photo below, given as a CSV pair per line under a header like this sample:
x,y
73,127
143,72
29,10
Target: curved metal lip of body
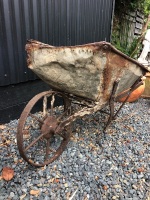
x,y
34,45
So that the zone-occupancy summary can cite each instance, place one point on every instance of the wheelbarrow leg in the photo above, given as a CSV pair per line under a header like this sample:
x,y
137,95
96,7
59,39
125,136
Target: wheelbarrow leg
x,y
135,85
112,114
111,105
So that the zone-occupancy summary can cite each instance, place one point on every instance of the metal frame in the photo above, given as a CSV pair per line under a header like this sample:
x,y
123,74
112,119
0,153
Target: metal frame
x,y
52,125
113,99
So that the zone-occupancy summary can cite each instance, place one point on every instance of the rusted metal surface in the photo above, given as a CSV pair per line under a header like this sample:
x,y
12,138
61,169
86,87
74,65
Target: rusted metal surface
x,y
51,125
47,130
113,98
86,70
97,107
91,76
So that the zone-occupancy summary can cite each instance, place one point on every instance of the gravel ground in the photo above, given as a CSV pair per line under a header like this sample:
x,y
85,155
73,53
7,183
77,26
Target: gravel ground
x,y
83,171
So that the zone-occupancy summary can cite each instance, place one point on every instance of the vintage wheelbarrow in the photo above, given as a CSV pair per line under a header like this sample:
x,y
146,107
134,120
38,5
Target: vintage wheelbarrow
x,y
85,78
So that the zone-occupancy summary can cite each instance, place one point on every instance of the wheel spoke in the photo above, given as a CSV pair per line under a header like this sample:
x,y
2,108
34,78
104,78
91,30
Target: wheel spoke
x,y
47,127
61,135
34,141
52,104
35,117
44,105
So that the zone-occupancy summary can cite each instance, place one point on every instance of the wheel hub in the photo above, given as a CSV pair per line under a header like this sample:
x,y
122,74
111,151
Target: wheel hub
x,y
49,126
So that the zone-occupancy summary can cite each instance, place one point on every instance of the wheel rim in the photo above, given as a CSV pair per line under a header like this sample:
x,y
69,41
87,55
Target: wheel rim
x,y
37,140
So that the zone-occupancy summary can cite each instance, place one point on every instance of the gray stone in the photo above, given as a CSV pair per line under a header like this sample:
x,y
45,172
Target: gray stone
x,y
140,176
135,198
134,176
40,173
132,191
12,194
28,184
24,190
141,196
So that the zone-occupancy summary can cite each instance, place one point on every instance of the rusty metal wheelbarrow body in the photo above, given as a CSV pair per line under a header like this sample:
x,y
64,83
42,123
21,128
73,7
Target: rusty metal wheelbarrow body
x,y
90,76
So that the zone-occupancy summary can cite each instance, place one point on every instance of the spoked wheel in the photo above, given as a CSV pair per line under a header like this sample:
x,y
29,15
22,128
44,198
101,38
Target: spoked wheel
x,y
38,141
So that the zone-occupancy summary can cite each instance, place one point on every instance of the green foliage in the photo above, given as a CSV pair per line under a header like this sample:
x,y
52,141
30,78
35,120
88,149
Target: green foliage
x,y
133,47
131,5
146,6
125,7
127,49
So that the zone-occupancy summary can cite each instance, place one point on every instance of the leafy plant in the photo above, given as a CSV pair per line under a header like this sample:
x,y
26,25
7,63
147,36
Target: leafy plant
x,y
126,49
131,5
133,48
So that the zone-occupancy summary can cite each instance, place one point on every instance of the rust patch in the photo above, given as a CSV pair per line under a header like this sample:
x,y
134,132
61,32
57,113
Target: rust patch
x,y
107,75
106,81
94,47
113,69
117,61
110,63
